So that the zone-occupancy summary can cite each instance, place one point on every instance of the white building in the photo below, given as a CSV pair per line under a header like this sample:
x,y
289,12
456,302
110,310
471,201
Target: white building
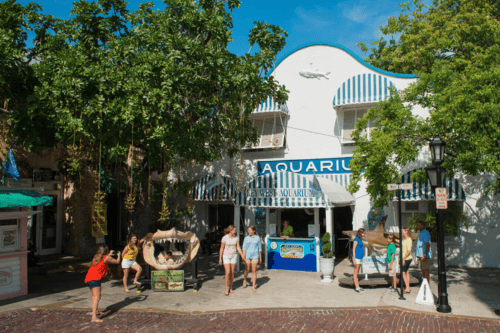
x,y
329,89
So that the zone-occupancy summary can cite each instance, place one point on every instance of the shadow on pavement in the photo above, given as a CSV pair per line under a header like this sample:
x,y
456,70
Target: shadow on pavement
x,y
122,304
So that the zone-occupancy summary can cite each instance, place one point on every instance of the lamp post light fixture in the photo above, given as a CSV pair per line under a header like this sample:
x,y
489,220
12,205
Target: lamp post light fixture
x,y
436,174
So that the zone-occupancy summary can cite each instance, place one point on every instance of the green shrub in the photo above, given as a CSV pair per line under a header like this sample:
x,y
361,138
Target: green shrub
x,y
327,246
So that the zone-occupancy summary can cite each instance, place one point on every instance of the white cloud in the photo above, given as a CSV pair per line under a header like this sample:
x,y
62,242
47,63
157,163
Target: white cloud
x,y
313,19
358,13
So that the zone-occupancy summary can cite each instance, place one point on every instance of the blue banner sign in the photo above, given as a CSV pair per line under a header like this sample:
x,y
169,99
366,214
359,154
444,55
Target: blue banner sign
x,y
306,167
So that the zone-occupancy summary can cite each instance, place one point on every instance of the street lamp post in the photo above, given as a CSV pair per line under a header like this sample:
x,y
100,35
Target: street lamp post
x,y
436,173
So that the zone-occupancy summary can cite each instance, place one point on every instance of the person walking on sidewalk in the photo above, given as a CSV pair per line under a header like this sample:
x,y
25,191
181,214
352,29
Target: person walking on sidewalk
x,y
229,246
357,257
407,258
423,250
96,272
252,252
129,260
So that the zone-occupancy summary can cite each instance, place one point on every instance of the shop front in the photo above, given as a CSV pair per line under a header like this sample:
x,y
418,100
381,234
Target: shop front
x,y
305,202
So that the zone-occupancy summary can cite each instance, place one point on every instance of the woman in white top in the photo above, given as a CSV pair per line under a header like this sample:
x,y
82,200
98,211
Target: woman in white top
x,y
229,246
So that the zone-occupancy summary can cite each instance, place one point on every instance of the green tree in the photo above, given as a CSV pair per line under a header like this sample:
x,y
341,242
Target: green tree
x,y
454,48
162,81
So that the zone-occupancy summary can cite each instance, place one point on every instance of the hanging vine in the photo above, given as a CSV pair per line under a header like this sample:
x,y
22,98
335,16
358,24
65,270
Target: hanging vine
x,y
130,199
99,195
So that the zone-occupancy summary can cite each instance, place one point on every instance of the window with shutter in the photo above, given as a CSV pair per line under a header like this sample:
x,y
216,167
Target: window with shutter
x,y
272,132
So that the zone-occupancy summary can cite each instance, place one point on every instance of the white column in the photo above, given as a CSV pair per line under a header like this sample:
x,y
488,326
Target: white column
x,y
316,225
329,223
237,225
267,234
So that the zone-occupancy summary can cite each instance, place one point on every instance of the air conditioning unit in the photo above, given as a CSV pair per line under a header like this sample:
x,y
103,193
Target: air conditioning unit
x,y
413,207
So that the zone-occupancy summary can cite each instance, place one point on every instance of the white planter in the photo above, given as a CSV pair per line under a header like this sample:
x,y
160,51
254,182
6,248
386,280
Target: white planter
x,y
326,266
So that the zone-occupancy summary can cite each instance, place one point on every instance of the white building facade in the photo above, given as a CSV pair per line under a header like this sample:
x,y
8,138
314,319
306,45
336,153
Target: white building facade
x,y
299,171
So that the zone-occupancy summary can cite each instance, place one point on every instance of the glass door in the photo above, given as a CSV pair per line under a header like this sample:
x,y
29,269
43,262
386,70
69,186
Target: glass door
x,y
49,228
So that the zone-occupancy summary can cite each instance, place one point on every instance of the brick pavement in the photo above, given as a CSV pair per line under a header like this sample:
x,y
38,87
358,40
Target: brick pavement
x,y
55,318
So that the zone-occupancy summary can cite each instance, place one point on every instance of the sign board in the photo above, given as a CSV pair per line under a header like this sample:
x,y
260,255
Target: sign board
x,y
392,187
99,220
99,240
441,198
272,230
167,280
375,263
405,186
292,251
311,230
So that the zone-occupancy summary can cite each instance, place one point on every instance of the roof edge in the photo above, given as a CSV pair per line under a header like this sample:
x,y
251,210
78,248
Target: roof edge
x,y
343,48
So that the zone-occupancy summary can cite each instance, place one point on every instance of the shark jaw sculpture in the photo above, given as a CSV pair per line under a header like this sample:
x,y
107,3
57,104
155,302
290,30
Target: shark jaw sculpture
x,y
172,235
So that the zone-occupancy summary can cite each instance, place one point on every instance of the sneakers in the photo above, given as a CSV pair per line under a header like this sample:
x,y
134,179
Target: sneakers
x,y
360,290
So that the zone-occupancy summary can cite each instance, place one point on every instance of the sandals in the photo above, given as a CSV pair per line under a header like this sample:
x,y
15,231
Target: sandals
x,y
226,292
244,283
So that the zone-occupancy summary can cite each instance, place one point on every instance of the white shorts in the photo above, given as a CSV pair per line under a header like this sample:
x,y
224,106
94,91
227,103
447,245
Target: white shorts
x,y
358,261
128,263
229,260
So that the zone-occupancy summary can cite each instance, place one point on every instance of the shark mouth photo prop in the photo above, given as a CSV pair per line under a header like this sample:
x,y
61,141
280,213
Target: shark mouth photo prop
x,y
178,258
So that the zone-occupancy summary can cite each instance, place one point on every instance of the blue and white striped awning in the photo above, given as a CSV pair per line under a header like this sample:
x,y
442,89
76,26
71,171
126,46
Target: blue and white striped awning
x,y
270,106
287,189
201,190
423,191
363,88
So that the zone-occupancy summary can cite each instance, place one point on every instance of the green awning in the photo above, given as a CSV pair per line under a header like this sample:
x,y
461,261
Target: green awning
x,y
23,198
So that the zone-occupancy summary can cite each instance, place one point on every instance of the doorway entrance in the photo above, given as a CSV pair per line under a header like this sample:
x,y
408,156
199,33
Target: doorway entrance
x,y
48,226
342,221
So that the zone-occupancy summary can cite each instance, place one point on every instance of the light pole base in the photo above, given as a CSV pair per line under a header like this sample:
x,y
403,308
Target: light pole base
x,y
443,308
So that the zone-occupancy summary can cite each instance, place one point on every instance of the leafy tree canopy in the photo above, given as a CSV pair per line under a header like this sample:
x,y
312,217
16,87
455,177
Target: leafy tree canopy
x,y
454,48
160,80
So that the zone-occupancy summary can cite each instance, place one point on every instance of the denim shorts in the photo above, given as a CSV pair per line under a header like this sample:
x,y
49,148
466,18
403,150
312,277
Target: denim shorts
x,y
94,283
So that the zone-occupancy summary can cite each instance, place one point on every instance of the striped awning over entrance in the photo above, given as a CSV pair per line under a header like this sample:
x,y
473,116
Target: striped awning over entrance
x,y
423,191
285,189
363,88
209,189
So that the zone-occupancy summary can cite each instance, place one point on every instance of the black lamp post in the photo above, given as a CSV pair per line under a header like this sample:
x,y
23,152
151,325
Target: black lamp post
x,y
436,174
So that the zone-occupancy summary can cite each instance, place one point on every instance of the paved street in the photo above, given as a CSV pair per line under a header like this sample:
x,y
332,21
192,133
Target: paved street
x,y
285,301
383,319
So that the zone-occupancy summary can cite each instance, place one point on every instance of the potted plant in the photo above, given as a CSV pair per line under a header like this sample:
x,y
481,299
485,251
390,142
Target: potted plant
x,y
326,263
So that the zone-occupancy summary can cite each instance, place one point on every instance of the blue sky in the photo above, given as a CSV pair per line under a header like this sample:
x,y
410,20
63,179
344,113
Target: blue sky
x,y
341,22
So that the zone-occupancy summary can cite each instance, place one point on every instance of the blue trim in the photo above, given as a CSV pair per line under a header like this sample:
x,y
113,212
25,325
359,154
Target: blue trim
x,y
343,48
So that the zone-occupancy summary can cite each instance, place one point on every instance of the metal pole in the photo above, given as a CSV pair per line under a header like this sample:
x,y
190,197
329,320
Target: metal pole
x,y
401,297
443,305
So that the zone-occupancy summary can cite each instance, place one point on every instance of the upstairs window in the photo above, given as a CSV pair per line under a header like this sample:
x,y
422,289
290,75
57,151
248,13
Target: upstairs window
x,y
350,119
272,132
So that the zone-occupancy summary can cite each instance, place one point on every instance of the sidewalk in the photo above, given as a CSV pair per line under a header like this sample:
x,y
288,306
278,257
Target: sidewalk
x,y
472,292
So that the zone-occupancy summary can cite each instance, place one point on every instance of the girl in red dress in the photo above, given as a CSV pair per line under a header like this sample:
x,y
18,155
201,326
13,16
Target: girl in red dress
x,y
96,272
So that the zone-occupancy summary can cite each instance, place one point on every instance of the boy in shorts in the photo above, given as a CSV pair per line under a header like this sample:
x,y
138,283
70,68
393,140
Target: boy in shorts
x,y
391,262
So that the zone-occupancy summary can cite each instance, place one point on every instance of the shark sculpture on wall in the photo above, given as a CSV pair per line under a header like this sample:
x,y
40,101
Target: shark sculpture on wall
x,y
308,74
